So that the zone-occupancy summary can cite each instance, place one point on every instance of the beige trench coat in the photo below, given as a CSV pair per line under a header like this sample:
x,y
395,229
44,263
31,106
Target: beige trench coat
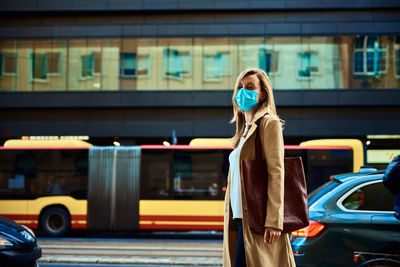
x,y
279,253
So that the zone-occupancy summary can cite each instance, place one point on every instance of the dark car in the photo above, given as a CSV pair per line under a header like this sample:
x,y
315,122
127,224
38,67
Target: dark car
x,y
18,246
350,213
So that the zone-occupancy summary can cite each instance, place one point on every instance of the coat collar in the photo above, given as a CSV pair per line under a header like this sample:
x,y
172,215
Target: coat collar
x,y
253,126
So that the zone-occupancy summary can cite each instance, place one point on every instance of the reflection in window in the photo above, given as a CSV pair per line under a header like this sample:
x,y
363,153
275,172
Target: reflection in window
x,y
97,62
397,55
373,197
45,64
132,65
87,65
177,63
1,64
198,174
53,63
155,174
39,66
8,64
268,60
216,66
369,56
128,64
307,64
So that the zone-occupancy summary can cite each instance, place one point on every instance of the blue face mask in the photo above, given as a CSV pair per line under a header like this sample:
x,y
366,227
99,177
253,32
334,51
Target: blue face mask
x,y
246,99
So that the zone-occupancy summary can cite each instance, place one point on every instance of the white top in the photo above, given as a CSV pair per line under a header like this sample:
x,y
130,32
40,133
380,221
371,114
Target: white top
x,y
236,192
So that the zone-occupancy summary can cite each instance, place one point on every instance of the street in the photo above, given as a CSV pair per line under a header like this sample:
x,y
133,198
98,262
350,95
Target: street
x,y
130,252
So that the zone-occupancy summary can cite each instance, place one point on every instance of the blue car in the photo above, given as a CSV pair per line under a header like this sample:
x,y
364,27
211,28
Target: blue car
x,y
18,246
350,214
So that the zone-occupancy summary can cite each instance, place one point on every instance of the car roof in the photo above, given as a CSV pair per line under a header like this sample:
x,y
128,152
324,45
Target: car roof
x,y
345,177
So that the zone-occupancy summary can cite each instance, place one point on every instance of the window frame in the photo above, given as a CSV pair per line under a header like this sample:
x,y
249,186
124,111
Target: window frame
x,y
134,76
312,73
396,57
365,50
224,72
166,63
91,69
339,202
3,64
274,54
59,67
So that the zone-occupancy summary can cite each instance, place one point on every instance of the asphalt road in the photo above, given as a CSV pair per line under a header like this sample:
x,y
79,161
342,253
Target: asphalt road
x,y
150,251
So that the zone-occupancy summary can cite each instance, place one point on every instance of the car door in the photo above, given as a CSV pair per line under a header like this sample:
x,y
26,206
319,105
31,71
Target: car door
x,y
372,199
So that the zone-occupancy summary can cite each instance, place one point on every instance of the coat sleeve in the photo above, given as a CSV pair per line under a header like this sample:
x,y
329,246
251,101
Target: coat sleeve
x,y
273,147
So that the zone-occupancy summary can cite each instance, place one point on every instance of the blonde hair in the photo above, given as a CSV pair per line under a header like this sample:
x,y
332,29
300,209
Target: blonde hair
x,y
265,105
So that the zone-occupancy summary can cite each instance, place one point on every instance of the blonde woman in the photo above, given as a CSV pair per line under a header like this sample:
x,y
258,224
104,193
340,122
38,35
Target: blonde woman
x,y
254,106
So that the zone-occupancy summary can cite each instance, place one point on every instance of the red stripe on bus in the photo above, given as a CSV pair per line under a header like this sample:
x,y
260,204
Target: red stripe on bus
x,y
20,217
178,218
43,148
318,147
80,226
78,217
225,147
180,227
182,147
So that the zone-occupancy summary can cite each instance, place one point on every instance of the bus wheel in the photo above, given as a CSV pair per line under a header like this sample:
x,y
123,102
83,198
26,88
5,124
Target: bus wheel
x,y
55,221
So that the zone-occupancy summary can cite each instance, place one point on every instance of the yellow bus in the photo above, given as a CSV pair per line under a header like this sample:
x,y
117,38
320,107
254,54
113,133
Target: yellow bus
x,y
58,185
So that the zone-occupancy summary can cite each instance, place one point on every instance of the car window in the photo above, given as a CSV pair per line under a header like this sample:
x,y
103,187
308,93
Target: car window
x,y
370,197
320,191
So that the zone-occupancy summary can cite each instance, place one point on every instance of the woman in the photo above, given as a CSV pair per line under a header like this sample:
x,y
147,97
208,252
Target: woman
x,y
254,106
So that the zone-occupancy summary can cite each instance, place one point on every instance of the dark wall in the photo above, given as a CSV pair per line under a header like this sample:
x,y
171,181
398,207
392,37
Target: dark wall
x,y
184,5
136,114
341,113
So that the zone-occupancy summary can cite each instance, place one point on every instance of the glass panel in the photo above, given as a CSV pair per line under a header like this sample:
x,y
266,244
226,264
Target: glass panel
x,y
398,61
128,64
198,174
198,63
16,168
374,197
155,174
87,65
39,66
370,61
1,64
360,42
8,65
371,40
176,63
53,63
358,62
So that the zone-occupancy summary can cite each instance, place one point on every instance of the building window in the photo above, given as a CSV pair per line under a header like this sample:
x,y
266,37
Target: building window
x,y
39,66
53,63
216,66
46,64
307,64
397,55
97,67
133,65
87,65
177,63
268,60
369,56
8,64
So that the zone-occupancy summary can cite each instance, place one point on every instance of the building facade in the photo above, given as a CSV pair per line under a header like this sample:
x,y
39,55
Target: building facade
x,y
150,70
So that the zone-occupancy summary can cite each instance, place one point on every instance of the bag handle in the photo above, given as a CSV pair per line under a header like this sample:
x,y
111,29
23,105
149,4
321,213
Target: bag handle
x,y
258,143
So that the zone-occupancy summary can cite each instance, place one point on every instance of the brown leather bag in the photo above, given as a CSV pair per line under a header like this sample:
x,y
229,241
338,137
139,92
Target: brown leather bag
x,y
255,182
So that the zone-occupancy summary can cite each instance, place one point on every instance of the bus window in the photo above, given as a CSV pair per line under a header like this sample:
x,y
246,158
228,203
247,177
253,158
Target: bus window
x,y
60,172
155,174
16,168
199,174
